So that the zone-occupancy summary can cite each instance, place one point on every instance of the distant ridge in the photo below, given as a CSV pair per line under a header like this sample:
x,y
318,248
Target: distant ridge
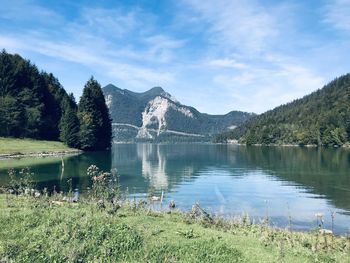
x,y
155,115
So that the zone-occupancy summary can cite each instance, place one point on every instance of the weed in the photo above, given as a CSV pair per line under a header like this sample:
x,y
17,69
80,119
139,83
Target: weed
x,y
187,233
21,182
105,186
40,230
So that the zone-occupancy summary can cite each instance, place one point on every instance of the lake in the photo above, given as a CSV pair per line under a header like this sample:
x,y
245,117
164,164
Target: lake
x,y
227,180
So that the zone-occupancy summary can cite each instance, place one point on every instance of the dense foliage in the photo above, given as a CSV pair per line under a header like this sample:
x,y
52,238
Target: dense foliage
x,y
69,124
321,118
30,101
34,104
95,123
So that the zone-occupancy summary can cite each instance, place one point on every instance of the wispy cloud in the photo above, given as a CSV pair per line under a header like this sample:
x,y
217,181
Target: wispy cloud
x,y
107,24
227,63
243,25
275,86
245,53
215,55
105,41
88,56
28,11
337,13
162,47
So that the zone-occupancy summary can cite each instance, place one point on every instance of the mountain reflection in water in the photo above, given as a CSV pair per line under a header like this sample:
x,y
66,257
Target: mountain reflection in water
x,y
225,179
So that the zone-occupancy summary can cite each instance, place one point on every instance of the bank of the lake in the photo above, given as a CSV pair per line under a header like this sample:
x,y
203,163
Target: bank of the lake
x,y
225,179
15,148
235,142
44,230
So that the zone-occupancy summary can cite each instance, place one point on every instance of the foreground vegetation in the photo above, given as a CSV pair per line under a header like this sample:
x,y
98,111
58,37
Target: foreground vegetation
x,y
104,226
44,231
321,118
13,146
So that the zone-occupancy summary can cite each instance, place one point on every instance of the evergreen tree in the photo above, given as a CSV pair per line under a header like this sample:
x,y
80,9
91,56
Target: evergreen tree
x,y
69,123
7,78
95,123
12,117
30,100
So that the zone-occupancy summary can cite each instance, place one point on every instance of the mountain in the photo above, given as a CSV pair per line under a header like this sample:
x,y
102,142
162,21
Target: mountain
x,y
155,115
321,118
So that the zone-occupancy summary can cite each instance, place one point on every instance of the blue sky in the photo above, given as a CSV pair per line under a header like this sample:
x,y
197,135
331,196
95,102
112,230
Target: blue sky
x,y
217,55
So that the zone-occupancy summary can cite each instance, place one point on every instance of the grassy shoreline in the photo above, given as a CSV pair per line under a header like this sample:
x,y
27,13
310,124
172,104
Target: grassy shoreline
x,y
15,148
46,229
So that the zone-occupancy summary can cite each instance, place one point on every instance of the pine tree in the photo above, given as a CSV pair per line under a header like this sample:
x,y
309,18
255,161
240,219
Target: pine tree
x,y
7,78
95,123
12,117
30,100
69,123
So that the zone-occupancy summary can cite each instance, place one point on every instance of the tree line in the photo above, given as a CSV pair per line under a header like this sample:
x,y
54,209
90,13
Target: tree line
x,y
33,104
321,118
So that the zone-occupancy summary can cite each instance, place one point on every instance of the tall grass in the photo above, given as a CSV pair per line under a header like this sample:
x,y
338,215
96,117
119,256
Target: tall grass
x,y
105,226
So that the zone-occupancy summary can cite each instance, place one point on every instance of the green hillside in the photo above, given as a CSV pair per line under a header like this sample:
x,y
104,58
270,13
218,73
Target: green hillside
x,y
321,118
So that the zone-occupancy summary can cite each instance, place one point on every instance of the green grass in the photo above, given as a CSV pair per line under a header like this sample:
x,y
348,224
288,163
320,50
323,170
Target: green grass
x,y
24,146
35,230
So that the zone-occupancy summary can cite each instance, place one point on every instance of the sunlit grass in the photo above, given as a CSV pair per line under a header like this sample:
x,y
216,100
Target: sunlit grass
x,y
40,230
23,146
106,226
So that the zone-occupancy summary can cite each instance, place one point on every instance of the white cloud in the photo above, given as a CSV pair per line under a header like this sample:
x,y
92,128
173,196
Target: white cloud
x,y
220,56
26,10
162,48
90,56
114,43
337,13
260,89
242,25
10,43
108,23
227,63
248,55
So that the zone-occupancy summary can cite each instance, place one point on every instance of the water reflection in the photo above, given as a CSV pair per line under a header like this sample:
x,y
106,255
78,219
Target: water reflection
x,y
226,179
153,165
161,166
324,172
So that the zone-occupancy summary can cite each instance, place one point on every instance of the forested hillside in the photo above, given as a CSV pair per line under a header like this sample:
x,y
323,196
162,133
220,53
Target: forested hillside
x,y
33,104
321,118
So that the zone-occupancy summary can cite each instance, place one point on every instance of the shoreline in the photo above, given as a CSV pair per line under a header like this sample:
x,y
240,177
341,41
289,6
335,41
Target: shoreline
x,y
150,236
18,155
345,146
12,148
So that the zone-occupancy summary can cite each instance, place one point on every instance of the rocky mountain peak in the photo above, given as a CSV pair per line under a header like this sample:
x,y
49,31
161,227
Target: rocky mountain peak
x,y
155,114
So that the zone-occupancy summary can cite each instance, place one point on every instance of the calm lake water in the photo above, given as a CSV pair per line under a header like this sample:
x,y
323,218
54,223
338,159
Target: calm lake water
x,y
227,180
